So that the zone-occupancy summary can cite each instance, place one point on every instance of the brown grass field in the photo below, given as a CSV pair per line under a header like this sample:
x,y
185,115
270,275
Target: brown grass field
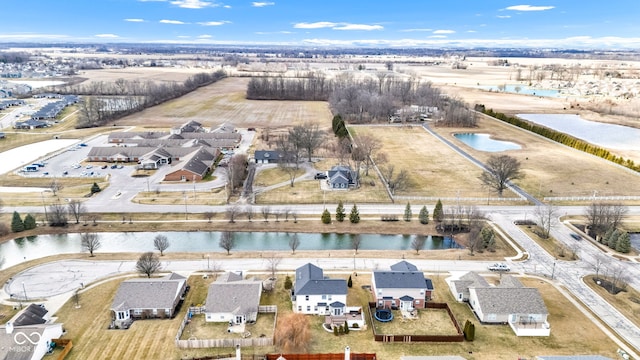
x,y
224,102
571,332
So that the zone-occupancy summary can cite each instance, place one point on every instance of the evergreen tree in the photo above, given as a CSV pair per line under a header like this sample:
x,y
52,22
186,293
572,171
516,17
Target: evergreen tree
x,y
346,328
354,217
16,223
424,215
335,330
607,235
288,284
349,282
613,239
340,214
488,238
29,222
407,212
95,188
623,244
326,217
438,213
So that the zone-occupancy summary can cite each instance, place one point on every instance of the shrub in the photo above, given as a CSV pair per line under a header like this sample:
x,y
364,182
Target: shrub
x,y
29,222
326,217
287,283
16,223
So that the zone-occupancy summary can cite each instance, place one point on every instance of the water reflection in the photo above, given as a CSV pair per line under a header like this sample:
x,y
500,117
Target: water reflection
x,y
21,249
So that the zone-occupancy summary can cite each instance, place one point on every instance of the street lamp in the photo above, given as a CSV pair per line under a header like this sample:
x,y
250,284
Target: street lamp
x,y
354,261
208,261
25,291
46,217
186,213
553,272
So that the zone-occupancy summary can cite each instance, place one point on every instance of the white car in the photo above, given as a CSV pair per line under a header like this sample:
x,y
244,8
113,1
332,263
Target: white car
x,y
499,267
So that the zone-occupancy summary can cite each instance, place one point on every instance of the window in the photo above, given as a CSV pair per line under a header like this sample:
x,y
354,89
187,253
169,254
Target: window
x,y
308,308
299,308
306,297
324,297
329,297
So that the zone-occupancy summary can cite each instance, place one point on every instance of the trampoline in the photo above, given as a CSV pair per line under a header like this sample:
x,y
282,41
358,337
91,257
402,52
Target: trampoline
x,y
383,315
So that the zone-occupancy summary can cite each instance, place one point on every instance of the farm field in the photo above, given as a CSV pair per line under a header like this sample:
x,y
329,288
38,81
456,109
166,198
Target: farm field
x,y
224,102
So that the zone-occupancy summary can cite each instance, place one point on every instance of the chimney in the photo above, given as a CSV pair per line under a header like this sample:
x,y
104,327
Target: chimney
x,y
238,356
347,353
9,327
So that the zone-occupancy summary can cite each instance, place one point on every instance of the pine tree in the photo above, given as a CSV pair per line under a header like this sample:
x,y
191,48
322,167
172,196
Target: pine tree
x,y
29,222
287,283
424,215
16,223
346,328
326,217
488,238
613,239
340,214
349,282
438,214
354,217
95,188
624,243
407,212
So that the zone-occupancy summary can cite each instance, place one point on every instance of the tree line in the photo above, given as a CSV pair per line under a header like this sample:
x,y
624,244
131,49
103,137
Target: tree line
x,y
108,101
368,99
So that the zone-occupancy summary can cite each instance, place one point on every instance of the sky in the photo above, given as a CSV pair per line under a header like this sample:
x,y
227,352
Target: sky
x,y
576,24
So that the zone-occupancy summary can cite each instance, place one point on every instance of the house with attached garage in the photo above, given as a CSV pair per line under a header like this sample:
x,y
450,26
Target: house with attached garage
x,y
313,293
268,156
30,335
403,287
341,177
508,302
233,299
147,298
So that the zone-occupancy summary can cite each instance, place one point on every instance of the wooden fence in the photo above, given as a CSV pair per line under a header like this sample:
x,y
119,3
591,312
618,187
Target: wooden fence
x,y
337,356
63,343
212,343
419,338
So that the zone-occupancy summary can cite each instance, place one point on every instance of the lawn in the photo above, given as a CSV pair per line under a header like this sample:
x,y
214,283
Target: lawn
x,y
552,246
426,322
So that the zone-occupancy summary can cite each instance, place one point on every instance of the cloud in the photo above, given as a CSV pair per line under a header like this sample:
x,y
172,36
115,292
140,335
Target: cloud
x,y
437,37
193,4
262,3
174,22
503,16
134,20
106,36
416,30
364,27
226,6
529,8
204,36
440,32
337,26
214,23
315,25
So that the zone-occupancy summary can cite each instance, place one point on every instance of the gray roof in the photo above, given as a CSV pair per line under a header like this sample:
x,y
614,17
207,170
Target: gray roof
x,y
510,281
470,279
31,315
232,295
499,300
403,266
154,293
400,280
310,280
271,155
8,348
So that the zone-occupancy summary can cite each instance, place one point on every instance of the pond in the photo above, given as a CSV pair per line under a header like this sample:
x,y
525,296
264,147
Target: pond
x,y
484,142
609,136
33,247
523,89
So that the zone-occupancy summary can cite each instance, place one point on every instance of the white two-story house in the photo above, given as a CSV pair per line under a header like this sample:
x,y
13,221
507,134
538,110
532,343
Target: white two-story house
x,y
313,293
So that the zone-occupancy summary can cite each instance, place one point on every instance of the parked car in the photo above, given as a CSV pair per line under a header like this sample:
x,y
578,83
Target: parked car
x,y
576,236
104,166
499,267
319,176
76,166
88,166
114,166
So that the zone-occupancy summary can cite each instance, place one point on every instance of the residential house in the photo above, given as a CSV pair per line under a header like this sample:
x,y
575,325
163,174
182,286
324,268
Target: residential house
x,y
233,299
29,335
342,177
268,156
146,298
313,293
403,286
30,124
509,302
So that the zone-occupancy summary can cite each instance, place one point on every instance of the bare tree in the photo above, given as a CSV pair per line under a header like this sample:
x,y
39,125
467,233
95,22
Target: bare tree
x,y
546,215
232,212
500,171
293,334
161,243
90,242
294,215
208,215
272,265
368,146
57,215
604,216
289,156
265,211
396,182
307,137
417,243
55,186
356,241
148,264
227,241
236,172
76,209
248,211
294,242
286,212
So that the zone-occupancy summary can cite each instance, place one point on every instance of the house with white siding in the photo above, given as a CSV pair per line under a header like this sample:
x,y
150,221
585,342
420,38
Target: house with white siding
x,y
313,293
